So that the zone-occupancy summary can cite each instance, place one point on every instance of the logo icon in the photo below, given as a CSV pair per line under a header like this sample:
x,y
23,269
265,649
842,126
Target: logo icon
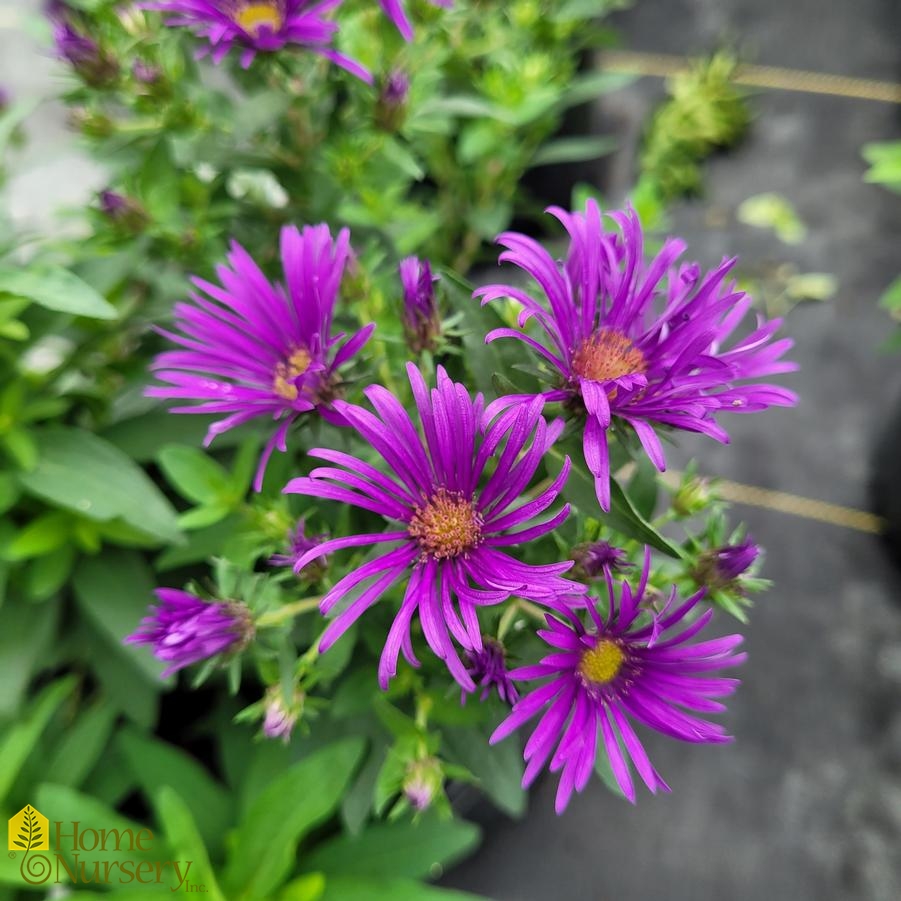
x,y
29,831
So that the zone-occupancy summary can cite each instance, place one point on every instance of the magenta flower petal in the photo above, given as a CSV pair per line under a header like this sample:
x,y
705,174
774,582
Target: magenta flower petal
x,y
430,488
641,342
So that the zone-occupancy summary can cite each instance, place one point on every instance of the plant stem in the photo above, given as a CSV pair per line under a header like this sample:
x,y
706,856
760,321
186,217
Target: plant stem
x,y
289,611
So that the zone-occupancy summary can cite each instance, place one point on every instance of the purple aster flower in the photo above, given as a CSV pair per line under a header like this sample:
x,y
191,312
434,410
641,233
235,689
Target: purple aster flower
x,y
252,348
183,629
395,11
422,324
600,558
454,495
641,342
617,670
260,26
488,669
299,543
83,54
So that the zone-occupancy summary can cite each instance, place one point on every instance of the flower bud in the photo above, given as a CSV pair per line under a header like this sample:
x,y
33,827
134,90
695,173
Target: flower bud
x,y
422,324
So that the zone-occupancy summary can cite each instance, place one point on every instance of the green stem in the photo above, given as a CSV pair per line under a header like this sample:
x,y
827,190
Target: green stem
x,y
289,611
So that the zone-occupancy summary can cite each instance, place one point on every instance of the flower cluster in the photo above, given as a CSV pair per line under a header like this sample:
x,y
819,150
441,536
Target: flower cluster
x,y
462,492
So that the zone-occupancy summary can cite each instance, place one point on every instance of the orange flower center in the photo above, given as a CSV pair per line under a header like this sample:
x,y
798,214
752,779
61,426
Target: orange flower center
x,y
255,16
447,526
607,354
285,373
602,663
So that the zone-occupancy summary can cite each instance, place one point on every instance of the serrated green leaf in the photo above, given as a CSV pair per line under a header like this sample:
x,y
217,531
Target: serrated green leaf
x,y
56,289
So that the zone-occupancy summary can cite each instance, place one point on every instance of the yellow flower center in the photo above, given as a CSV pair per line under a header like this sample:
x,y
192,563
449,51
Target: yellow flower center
x,y
285,373
447,526
255,16
607,354
602,663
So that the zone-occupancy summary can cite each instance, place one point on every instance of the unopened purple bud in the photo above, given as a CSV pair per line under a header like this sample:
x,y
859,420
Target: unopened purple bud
x,y
183,629
123,210
600,558
145,73
422,782
390,110
298,544
281,718
84,54
721,569
422,324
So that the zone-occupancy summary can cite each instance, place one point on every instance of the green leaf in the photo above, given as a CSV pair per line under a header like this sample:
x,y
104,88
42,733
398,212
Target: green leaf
x,y
574,150
402,849
773,211
154,763
41,536
185,842
891,298
306,888
21,739
354,888
82,745
623,517
585,88
80,471
498,768
301,798
24,637
193,474
55,289
113,592
48,575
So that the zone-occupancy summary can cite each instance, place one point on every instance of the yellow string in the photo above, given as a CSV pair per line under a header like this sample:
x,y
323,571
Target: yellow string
x,y
783,502
665,65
